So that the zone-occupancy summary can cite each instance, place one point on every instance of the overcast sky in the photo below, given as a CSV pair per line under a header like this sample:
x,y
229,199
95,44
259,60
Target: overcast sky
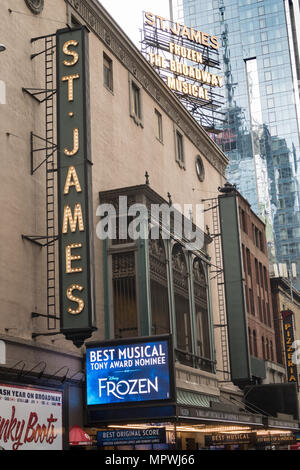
x,y
128,14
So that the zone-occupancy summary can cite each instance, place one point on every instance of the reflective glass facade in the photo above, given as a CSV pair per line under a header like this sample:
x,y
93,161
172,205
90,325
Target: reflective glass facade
x,y
260,134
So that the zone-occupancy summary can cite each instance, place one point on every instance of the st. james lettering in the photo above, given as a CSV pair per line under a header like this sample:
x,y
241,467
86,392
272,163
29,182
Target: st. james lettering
x,y
74,186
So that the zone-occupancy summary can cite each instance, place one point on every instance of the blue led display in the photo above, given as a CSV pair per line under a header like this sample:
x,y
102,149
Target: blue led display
x,y
131,372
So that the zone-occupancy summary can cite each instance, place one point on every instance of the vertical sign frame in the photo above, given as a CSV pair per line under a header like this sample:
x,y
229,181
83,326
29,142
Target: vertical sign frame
x,y
76,280
288,334
237,322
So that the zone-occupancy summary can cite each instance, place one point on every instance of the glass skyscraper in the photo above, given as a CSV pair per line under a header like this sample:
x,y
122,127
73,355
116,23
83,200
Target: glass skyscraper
x,y
259,54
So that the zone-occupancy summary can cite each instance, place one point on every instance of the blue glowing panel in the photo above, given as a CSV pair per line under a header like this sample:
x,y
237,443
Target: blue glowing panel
x,y
131,372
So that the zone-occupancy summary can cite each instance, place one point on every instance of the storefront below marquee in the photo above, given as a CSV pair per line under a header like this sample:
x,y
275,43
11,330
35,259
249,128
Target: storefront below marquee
x,y
185,436
196,428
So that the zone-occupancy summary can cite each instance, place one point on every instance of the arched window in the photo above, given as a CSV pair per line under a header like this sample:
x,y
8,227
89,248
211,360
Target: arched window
x,y
181,298
159,288
201,311
254,343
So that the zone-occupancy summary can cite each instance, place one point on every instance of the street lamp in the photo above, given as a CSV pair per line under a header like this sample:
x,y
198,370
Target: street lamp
x,y
2,47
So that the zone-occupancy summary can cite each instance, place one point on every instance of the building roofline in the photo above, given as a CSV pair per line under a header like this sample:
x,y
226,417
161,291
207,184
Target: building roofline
x,y
280,281
100,22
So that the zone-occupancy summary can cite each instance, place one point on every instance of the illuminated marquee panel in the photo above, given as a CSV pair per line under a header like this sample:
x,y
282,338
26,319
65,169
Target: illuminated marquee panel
x,y
74,186
132,371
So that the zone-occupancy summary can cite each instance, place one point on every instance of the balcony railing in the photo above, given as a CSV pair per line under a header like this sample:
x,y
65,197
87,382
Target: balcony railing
x,y
197,362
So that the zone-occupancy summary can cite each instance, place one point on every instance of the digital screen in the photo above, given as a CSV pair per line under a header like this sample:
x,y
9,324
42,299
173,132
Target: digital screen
x,y
128,372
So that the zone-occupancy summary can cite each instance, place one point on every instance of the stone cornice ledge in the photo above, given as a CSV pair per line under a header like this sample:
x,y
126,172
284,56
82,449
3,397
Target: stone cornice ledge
x,y
103,25
40,346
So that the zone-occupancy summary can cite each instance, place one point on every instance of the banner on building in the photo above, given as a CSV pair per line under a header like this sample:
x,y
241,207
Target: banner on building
x,y
132,371
30,418
288,333
74,185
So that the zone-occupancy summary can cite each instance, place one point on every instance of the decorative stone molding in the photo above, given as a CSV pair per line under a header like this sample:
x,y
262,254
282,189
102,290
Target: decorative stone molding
x,y
100,23
35,6
196,380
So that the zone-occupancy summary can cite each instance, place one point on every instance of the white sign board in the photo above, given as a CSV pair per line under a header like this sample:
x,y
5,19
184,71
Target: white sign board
x,y
30,418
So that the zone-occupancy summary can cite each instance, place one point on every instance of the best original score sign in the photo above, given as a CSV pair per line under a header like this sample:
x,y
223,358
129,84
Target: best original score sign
x,y
186,56
119,437
30,418
136,371
74,185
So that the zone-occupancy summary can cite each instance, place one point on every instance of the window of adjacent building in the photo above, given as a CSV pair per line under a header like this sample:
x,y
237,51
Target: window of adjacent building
x,y
248,261
107,72
243,220
265,49
135,102
251,301
267,349
263,347
262,23
272,117
271,350
250,341
268,76
158,125
269,89
254,343
264,36
179,148
260,309
256,271
124,295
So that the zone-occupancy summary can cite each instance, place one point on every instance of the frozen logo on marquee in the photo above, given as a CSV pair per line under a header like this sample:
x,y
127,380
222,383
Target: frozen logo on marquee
x,y
127,387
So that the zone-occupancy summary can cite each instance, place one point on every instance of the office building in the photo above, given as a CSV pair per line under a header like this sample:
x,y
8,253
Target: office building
x,y
259,53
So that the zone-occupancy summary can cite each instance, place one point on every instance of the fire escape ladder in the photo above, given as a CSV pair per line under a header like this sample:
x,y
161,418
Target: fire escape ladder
x,y
50,182
48,148
221,292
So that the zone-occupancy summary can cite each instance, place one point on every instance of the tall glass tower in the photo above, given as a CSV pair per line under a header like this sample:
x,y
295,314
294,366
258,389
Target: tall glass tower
x,y
259,53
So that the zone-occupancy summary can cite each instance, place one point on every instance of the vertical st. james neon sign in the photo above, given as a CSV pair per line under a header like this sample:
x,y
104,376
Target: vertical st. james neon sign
x,y
74,186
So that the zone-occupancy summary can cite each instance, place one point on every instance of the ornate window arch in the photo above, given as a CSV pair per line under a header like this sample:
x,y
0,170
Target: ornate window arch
x,y
181,300
159,287
201,312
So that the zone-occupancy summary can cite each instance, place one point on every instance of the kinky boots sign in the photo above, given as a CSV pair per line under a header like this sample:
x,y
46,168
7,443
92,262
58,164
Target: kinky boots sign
x,y
74,186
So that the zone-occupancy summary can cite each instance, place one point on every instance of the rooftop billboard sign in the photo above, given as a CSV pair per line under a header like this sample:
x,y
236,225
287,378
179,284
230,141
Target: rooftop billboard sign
x,y
187,60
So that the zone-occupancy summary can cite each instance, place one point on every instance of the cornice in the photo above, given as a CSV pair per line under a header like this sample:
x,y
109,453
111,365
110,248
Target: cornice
x,y
107,30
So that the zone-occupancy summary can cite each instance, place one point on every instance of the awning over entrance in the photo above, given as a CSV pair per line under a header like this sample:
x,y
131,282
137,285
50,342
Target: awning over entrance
x,y
194,399
78,437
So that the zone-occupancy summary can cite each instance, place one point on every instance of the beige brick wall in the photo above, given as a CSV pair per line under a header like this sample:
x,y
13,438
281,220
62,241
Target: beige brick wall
x,y
121,153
